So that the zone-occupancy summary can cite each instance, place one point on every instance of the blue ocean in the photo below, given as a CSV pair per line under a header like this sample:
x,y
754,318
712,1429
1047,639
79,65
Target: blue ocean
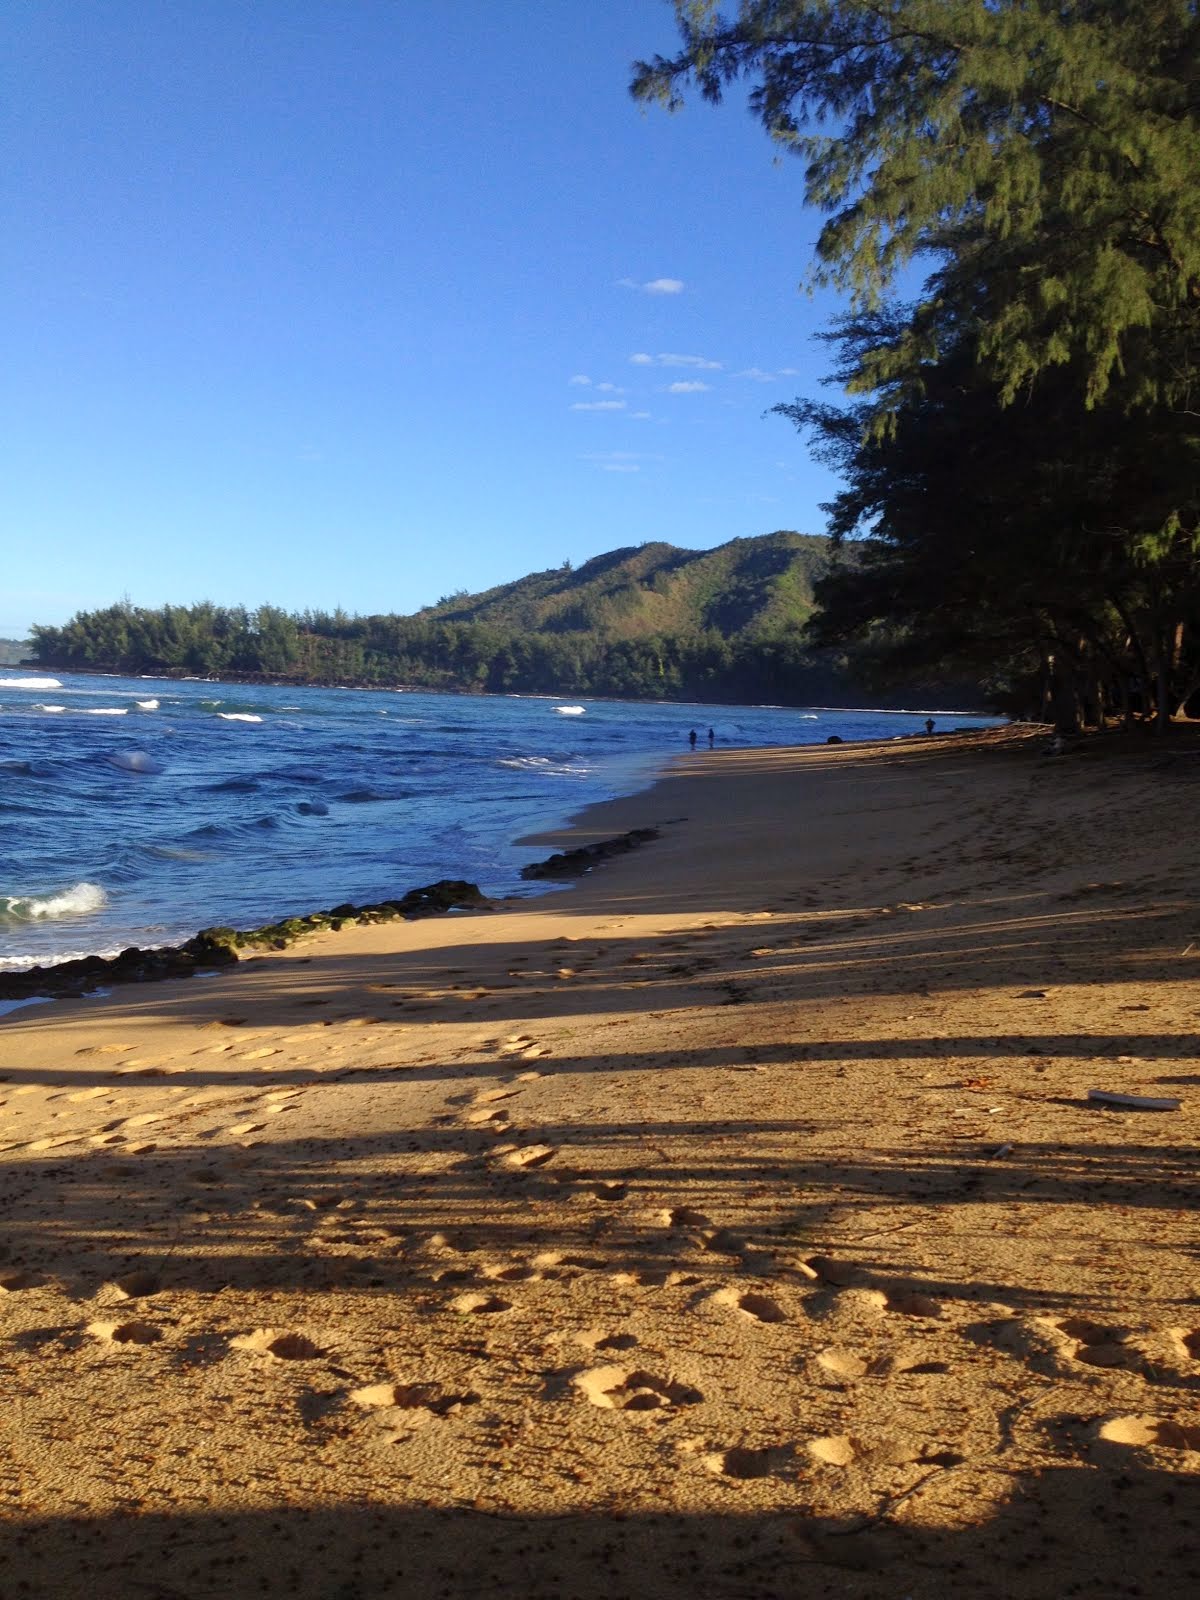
x,y
135,811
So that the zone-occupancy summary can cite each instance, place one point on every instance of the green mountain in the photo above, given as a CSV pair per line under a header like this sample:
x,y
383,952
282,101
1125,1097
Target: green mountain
x,y
645,622
761,586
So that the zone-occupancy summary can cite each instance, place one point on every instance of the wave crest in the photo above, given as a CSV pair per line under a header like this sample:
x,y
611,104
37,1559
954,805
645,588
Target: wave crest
x,y
80,900
30,683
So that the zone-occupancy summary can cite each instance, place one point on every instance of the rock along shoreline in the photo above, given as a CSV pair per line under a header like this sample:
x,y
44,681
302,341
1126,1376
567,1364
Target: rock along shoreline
x,y
222,947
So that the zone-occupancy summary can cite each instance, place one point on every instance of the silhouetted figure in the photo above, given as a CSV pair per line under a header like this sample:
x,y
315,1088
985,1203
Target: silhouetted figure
x,y
835,738
928,724
712,738
692,738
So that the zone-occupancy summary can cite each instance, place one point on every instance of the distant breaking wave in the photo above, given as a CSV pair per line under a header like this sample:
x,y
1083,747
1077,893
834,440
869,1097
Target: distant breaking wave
x,y
571,711
78,901
30,683
238,716
146,705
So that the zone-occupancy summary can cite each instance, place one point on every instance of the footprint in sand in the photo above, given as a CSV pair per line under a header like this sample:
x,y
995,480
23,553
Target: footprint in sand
x,y
610,1189
842,1364
1094,1344
843,1449
133,1286
504,1272
682,1217
484,1116
476,1305
125,1332
1144,1432
911,1303
14,1282
530,1156
741,1462
597,1339
429,1398
277,1345
754,1307
617,1389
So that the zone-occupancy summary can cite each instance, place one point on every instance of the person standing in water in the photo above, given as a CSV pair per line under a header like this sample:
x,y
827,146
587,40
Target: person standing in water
x,y
929,724
712,738
692,738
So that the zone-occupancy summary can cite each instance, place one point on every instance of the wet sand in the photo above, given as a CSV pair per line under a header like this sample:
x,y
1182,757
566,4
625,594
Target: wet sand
x,y
732,1223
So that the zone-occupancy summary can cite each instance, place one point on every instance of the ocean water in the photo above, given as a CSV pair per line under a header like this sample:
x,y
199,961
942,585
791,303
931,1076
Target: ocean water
x,y
135,811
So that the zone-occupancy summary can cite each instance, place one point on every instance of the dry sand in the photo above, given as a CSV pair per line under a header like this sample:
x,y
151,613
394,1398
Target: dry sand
x,y
732,1223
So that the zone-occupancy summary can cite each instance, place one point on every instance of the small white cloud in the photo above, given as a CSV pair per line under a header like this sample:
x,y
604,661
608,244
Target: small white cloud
x,y
688,386
655,285
609,388
620,466
757,374
616,457
598,405
669,359
789,372
580,380
640,416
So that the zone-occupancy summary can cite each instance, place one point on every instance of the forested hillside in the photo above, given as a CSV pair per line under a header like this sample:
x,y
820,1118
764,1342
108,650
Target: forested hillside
x,y
648,621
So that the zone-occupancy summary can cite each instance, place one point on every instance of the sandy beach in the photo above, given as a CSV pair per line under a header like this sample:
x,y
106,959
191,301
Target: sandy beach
x,y
731,1223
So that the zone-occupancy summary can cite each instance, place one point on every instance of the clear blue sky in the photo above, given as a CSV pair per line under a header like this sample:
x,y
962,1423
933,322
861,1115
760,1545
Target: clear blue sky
x,y
346,302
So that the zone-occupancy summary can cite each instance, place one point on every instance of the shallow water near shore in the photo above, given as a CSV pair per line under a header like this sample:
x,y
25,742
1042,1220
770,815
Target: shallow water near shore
x,y
133,811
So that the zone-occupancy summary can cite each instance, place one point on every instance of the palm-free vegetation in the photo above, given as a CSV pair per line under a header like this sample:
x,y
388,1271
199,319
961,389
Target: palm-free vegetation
x,y
1021,455
648,622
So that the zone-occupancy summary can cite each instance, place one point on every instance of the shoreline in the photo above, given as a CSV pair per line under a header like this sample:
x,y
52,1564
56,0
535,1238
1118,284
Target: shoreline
x,y
742,1209
264,681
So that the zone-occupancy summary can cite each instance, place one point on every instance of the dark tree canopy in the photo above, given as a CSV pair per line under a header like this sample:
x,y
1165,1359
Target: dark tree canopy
x,y
1048,150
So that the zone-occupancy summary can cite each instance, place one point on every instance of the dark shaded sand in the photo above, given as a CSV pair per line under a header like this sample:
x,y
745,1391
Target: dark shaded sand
x,y
732,1223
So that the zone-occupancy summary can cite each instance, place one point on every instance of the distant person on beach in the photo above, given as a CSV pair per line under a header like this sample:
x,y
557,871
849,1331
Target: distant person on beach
x,y
692,738
929,724
712,738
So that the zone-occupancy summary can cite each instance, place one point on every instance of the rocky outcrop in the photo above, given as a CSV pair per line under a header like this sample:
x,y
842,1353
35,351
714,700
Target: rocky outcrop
x,y
574,863
221,947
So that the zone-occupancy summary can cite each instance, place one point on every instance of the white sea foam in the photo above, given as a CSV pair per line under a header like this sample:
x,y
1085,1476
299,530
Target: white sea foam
x,y
571,711
106,711
15,1005
146,705
238,716
49,708
78,901
30,683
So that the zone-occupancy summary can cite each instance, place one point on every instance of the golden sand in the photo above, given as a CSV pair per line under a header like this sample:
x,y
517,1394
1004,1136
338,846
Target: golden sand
x,y
732,1223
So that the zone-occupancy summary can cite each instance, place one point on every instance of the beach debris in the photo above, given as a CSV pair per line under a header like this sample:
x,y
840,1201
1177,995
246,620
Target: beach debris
x,y
1133,1102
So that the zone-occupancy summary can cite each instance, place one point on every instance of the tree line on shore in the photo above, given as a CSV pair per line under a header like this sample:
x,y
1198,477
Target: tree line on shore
x,y
651,621
1021,449
334,648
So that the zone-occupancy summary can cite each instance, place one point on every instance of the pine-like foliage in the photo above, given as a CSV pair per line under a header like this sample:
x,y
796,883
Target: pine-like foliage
x,y
1047,151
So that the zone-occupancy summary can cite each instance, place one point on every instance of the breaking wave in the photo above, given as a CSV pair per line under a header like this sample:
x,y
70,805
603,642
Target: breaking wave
x,y
78,901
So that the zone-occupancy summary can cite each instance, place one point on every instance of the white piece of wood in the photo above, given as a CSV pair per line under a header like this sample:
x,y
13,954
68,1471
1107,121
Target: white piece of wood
x,y
1134,1102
